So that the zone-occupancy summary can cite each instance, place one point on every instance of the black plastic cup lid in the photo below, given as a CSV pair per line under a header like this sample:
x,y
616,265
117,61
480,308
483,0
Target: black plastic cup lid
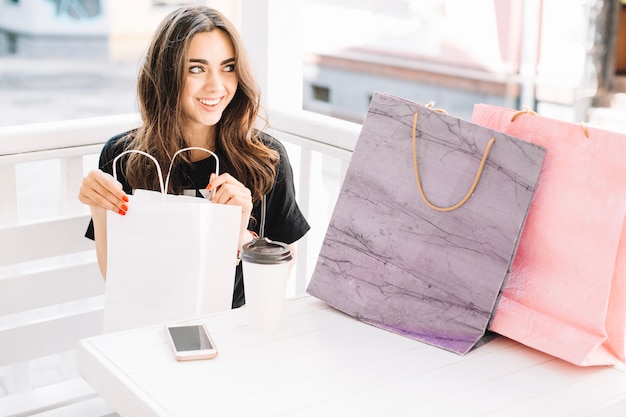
x,y
265,251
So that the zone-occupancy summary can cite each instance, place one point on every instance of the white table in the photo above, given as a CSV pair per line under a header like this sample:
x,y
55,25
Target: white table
x,y
325,363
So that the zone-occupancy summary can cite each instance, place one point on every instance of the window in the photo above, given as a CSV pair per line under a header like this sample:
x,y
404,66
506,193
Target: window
x,y
321,93
447,51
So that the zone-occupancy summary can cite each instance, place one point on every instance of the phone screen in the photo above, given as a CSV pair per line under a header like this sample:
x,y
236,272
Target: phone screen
x,y
188,338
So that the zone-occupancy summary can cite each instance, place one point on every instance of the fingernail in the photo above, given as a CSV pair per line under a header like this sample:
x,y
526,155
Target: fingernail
x,y
208,187
124,207
125,199
122,212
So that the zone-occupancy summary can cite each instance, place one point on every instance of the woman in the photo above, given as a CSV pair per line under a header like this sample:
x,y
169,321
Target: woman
x,y
196,89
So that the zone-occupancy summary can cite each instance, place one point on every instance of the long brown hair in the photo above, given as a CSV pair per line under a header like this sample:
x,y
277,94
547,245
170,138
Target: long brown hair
x,y
160,83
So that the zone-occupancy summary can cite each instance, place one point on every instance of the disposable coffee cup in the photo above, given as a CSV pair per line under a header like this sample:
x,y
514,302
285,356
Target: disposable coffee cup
x,y
265,274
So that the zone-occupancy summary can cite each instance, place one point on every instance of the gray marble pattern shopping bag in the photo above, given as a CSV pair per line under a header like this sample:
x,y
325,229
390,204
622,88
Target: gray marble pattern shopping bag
x,y
426,224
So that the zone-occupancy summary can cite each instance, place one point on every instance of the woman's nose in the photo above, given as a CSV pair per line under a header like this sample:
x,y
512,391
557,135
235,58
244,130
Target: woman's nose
x,y
213,80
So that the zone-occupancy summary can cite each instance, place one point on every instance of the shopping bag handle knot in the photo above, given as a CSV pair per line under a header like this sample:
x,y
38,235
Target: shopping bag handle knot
x,y
431,105
419,182
525,110
583,126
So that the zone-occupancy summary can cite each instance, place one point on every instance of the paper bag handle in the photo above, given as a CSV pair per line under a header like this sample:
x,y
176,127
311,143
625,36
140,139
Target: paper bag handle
x,y
419,182
217,162
165,186
145,154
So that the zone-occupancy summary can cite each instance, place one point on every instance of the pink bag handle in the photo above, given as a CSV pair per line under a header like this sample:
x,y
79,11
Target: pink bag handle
x,y
583,126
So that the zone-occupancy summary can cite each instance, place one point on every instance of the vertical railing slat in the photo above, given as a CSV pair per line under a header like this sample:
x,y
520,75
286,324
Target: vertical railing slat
x,y
304,197
8,192
71,177
18,378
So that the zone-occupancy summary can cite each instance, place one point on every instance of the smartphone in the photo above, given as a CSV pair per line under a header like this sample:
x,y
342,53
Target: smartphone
x,y
190,341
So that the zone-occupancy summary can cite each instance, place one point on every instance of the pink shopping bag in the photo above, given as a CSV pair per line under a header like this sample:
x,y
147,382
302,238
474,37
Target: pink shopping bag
x,y
566,294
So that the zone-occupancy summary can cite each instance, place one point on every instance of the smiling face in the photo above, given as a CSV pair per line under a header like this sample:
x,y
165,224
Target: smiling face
x,y
209,86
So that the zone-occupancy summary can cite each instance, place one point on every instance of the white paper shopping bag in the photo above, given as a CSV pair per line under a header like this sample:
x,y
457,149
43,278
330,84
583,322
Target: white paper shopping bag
x,y
171,257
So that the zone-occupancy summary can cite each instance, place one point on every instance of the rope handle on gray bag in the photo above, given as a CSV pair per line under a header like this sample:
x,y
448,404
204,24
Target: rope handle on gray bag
x,y
419,182
165,186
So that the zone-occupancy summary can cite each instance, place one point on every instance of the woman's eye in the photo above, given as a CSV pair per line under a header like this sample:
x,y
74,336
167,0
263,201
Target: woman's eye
x,y
196,69
229,68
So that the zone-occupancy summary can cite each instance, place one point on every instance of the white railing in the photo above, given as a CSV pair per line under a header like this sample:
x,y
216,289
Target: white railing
x,y
319,148
41,167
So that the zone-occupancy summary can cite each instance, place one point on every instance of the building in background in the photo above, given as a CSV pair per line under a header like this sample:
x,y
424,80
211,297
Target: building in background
x,y
562,58
74,59
65,28
101,29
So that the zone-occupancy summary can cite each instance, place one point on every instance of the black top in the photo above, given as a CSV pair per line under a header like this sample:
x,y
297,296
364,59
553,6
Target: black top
x,y
284,222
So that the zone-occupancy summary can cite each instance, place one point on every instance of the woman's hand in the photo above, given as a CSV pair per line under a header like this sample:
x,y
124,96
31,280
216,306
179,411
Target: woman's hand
x,y
225,189
101,190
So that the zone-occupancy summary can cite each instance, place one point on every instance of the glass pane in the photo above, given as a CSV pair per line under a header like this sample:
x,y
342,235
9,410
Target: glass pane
x,y
454,53
73,59
555,56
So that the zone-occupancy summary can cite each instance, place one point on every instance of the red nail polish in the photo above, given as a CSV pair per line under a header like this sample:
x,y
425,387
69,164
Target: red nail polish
x,y
124,207
125,199
208,187
122,212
